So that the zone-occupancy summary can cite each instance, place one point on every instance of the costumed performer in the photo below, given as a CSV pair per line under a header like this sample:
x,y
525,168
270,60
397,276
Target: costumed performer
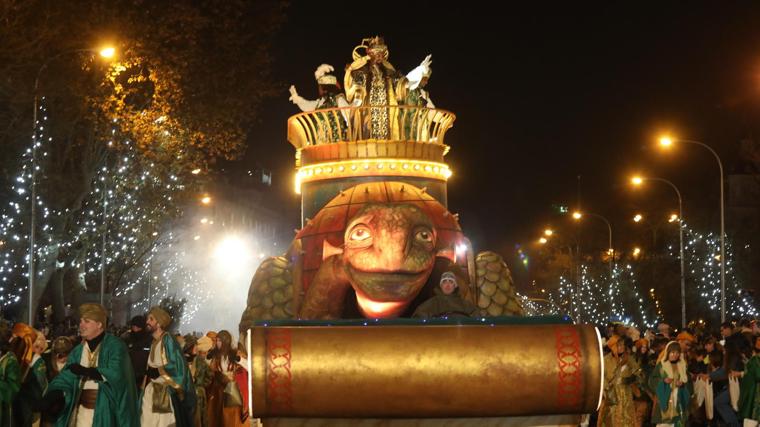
x,y
97,385
670,381
169,395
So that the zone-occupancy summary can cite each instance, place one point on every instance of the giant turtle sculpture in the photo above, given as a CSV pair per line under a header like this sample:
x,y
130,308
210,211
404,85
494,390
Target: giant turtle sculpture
x,y
377,241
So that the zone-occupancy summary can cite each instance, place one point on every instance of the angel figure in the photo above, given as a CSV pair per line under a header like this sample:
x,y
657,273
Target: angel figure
x,y
333,124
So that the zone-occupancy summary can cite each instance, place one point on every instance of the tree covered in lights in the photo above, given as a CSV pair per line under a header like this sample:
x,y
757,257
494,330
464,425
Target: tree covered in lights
x,y
118,140
593,298
702,258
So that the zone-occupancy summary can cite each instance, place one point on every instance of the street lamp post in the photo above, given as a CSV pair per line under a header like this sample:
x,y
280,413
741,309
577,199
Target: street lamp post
x,y
638,181
667,142
611,250
574,308
106,53
104,241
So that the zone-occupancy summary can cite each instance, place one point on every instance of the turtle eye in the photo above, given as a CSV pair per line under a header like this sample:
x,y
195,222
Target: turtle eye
x,y
424,235
360,233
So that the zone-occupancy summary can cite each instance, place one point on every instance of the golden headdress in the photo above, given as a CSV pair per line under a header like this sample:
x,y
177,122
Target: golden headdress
x,y
28,335
162,317
94,312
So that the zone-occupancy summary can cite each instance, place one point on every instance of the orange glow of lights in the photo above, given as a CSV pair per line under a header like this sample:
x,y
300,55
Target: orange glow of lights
x,y
666,141
107,52
371,167
379,310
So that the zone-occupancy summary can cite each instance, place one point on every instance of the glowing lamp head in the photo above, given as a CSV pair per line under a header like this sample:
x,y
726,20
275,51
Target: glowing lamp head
x,y
638,218
548,232
666,142
636,252
577,215
673,218
107,52
637,180
542,240
206,200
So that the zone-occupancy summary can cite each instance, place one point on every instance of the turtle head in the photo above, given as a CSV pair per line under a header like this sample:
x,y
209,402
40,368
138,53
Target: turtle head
x,y
388,254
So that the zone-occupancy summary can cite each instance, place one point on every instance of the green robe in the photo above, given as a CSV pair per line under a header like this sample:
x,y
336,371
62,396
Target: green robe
x,y
10,383
201,379
749,397
662,397
116,404
32,390
176,368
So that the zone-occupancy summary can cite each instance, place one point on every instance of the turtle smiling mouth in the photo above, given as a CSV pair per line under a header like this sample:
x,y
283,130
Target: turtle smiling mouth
x,y
390,286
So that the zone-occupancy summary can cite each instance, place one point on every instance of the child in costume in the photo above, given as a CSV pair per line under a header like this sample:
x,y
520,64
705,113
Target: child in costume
x,y
672,387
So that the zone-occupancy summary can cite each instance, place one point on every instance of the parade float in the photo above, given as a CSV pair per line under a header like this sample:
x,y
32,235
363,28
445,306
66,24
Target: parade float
x,y
331,338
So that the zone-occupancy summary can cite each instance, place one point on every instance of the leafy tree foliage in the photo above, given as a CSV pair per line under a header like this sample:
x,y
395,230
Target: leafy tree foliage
x,y
186,83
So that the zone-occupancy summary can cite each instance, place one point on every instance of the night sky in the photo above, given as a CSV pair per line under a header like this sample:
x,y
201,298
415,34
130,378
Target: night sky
x,y
544,94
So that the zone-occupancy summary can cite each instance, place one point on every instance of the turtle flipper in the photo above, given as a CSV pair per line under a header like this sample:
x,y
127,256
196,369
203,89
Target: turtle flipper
x,y
496,290
270,295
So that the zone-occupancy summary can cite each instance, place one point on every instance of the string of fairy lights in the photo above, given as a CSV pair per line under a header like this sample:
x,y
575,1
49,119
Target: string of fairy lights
x,y
702,260
130,200
596,299
14,229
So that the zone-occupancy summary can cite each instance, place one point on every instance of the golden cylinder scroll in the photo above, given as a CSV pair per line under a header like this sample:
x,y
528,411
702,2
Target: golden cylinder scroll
x,y
425,371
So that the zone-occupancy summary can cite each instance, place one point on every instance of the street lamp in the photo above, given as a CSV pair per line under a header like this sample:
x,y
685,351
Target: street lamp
x,y
667,142
637,181
105,52
638,218
578,215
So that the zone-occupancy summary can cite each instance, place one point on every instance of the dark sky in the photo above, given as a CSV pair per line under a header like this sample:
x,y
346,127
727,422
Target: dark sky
x,y
545,93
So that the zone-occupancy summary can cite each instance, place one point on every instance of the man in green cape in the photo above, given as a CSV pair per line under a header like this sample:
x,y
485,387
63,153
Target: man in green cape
x,y
169,396
97,385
